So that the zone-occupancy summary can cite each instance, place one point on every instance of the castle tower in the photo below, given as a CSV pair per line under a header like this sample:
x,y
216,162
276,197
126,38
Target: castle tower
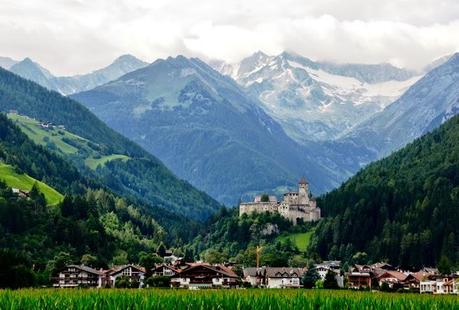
x,y
303,192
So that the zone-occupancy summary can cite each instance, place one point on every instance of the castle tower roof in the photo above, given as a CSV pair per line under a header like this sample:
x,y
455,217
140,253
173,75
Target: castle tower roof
x,y
303,181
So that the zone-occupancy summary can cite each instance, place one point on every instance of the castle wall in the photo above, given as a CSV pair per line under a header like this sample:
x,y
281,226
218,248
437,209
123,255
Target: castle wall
x,y
257,207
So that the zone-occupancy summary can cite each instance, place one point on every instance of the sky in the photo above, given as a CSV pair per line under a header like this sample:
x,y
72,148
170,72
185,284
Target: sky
x,y
76,36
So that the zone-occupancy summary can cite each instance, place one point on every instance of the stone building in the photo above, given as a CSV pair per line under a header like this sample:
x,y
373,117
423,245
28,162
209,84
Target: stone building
x,y
295,206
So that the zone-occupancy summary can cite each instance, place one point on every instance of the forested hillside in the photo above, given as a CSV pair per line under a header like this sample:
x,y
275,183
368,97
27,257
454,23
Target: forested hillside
x,y
90,225
230,237
404,208
143,177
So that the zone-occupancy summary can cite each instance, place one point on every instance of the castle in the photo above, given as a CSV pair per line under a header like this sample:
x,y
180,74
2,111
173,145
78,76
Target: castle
x,y
295,206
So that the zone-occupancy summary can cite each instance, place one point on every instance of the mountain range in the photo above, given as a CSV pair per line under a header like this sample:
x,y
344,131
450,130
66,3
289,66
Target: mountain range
x,y
205,128
262,123
31,70
104,155
318,101
423,107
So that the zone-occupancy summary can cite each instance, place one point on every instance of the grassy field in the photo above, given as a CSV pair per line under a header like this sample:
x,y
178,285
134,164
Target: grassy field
x,y
25,182
64,142
44,137
301,240
93,163
218,299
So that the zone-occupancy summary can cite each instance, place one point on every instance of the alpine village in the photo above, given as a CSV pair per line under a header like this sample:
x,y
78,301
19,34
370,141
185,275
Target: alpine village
x,y
201,175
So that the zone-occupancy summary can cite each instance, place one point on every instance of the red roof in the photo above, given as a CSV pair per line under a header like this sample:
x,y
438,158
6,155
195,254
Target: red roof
x,y
393,274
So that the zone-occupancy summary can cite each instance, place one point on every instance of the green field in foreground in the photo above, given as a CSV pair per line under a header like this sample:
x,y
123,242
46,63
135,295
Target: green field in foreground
x,y
300,240
25,182
218,299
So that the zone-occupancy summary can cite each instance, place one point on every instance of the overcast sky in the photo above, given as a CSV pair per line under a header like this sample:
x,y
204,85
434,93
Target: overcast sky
x,y
75,36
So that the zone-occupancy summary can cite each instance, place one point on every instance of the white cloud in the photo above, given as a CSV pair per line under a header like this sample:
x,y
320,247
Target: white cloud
x,y
78,36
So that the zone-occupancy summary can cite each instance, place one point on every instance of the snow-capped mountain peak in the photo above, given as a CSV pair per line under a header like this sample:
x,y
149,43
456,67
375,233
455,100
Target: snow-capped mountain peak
x,y
318,100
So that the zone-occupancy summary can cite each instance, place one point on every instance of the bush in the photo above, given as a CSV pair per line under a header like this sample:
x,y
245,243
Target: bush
x,y
159,281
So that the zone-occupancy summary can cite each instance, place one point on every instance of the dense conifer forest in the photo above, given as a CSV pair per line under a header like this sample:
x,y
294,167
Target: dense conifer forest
x,y
404,208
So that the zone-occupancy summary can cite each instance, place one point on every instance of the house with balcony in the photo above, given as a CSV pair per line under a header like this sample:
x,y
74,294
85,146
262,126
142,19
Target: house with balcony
x,y
78,276
204,275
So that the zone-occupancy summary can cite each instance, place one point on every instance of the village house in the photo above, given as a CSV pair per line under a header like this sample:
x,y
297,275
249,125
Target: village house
x,y
133,273
256,277
379,274
78,276
274,277
164,270
284,277
333,266
440,285
392,278
296,206
204,275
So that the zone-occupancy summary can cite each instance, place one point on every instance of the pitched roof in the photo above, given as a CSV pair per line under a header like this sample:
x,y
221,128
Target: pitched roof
x,y
117,269
216,268
166,266
393,274
86,268
283,272
253,271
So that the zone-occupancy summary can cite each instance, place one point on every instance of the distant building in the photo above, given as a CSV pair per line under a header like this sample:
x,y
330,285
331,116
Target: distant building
x,y
21,193
164,270
203,275
333,266
295,206
440,285
130,272
78,276
274,277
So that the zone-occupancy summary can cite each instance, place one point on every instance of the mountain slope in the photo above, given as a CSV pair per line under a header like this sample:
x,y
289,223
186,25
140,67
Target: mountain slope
x,y
143,177
71,84
404,208
25,182
205,128
423,107
32,71
89,222
317,101
7,62
119,67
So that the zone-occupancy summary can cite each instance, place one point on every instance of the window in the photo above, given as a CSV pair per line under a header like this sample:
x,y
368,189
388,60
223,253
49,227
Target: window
x,y
126,272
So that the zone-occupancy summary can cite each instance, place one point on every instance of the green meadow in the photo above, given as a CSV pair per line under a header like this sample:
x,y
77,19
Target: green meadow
x,y
25,182
70,299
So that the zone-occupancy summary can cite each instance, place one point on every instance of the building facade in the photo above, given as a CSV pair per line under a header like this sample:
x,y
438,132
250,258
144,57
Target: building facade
x,y
203,275
295,206
133,273
274,277
78,276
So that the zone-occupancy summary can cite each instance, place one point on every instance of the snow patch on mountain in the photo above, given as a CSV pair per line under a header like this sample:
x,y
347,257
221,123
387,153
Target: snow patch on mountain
x,y
317,101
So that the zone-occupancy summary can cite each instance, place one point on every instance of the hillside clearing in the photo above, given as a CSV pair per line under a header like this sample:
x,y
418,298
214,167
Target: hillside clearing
x,y
25,182
300,240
